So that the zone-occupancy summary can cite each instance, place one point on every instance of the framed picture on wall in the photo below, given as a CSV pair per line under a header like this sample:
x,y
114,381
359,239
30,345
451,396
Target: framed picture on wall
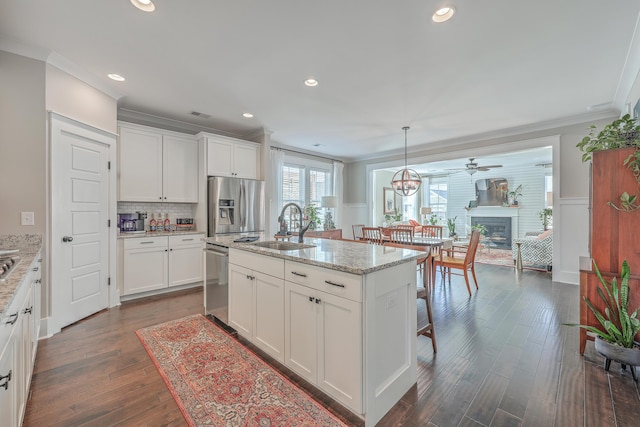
x,y
388,201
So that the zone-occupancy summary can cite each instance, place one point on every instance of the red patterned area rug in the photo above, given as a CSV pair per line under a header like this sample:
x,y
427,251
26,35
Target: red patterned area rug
x,y
216,381
502,257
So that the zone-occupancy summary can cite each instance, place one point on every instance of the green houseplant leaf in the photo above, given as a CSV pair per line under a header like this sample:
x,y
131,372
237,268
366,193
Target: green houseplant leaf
x,y
618,325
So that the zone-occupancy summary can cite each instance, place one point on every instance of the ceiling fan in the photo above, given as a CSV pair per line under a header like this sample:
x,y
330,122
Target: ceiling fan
x,y
472,167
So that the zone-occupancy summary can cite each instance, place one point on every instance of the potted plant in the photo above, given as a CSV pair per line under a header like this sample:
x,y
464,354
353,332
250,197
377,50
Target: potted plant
x,y
433,219
545,216
451,225
480,227
517,192
396,216
620,133
312,216
619,325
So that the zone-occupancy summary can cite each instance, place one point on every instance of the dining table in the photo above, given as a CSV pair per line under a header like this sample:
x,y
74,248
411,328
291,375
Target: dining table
x,y
436,247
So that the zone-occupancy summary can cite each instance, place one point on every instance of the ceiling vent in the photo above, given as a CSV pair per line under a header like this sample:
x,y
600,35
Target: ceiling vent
x,y
201,115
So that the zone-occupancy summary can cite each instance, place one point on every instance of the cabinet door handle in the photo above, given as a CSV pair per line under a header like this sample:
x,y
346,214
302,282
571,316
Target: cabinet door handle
x,y
187,240
310,299
318,300
38,281
35,269
251,277
6,379
145,243
329,282
11,322
67,239
28,310
295,273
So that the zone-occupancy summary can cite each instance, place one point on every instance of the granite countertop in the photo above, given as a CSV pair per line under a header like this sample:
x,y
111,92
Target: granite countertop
x,y
157,234
226,239
29,245
350,257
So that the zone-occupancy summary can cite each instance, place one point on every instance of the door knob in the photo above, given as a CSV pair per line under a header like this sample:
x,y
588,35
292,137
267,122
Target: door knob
x,y
67,239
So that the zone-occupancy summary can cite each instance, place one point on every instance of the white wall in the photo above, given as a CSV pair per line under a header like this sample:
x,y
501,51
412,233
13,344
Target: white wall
x,y
22,143
71,97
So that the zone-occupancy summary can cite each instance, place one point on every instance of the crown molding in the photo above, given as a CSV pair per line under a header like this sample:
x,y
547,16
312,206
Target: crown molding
x,y
551,126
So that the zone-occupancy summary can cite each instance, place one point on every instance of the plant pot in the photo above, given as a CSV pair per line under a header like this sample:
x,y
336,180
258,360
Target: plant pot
x,y
626,356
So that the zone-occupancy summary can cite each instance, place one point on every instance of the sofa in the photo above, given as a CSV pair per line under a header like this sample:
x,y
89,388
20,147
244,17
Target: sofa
x,y
536,248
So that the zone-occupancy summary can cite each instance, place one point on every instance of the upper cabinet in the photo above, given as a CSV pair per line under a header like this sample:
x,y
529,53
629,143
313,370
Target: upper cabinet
x,y
232,157
157,165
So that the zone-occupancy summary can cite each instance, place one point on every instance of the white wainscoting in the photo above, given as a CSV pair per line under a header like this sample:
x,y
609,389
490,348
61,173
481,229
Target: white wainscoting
x,y
571,238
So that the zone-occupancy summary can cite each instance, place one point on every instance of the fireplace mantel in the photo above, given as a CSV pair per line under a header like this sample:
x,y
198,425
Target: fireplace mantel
x,y
493,211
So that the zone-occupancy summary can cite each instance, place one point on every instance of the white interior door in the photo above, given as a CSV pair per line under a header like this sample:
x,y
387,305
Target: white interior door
x,y
79,221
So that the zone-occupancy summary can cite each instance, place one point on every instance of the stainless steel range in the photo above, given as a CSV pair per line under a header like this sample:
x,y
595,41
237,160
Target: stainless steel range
x,y
8,263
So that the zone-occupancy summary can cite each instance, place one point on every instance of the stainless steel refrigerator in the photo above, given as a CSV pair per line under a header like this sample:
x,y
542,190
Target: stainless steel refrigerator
x,y
235,205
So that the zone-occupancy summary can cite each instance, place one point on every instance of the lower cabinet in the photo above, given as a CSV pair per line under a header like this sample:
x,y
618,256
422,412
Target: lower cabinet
x,y
18,343
323,342
153,263
256,301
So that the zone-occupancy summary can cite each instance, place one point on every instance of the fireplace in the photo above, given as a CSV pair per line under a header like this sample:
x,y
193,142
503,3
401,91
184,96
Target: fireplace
x,y
498,230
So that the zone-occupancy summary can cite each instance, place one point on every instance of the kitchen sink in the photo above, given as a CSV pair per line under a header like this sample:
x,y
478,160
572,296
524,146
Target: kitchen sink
x,y
283,246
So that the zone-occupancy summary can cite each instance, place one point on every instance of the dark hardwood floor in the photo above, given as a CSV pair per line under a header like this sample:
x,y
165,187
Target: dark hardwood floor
x,y
504,359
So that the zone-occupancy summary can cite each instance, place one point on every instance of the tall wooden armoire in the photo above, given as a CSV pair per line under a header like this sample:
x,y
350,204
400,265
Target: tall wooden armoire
x,y
614,234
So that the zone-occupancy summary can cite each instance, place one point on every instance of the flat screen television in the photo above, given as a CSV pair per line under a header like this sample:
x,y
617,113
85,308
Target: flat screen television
x,y
492,191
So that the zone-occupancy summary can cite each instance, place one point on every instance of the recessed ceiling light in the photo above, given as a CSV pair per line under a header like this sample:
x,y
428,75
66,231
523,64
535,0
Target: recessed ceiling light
x,y
146,5
116,77
311,82
443,14
247,115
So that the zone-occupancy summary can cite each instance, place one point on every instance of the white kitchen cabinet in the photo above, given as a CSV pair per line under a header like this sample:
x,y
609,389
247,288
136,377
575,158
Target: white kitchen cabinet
x,y
8,381
185,259
157,165
256,301
350,335
241,304
232,157
323,338
17,348
154,263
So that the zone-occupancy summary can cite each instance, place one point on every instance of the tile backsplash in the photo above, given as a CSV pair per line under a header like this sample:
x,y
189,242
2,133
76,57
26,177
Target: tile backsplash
x,y
175,210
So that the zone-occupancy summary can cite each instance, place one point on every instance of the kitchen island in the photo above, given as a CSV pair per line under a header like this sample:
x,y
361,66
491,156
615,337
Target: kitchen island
x,y
340,314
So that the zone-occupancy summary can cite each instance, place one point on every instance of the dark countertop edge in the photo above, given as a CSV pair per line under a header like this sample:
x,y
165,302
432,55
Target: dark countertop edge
x,y
338,267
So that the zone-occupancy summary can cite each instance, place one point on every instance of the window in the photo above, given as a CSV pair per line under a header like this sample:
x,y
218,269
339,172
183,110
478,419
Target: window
x,y
434,195
304,185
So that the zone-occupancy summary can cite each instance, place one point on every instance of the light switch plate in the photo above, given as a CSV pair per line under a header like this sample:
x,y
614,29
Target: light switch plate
x,y
27,218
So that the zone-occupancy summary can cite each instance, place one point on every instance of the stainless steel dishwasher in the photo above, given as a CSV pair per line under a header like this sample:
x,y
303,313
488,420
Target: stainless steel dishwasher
x,y
216,289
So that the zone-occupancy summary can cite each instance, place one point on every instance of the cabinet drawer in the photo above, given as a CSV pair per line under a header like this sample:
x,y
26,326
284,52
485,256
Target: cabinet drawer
x,y
334,282
262,263
186,239
145,242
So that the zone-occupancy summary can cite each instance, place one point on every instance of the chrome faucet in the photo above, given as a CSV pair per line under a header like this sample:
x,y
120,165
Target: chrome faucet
x,y
302,229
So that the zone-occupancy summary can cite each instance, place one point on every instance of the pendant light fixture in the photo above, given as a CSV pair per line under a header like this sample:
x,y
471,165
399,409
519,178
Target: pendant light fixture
x,y
406,182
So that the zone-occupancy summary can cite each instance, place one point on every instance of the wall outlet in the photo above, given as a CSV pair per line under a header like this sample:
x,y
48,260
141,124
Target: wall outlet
x,y
27,218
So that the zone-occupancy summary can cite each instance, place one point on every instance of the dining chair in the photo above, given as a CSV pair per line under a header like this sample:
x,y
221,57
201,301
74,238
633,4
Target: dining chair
x,y
406,226
401,235
357,231
447,262
372,235
434,231
422,292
